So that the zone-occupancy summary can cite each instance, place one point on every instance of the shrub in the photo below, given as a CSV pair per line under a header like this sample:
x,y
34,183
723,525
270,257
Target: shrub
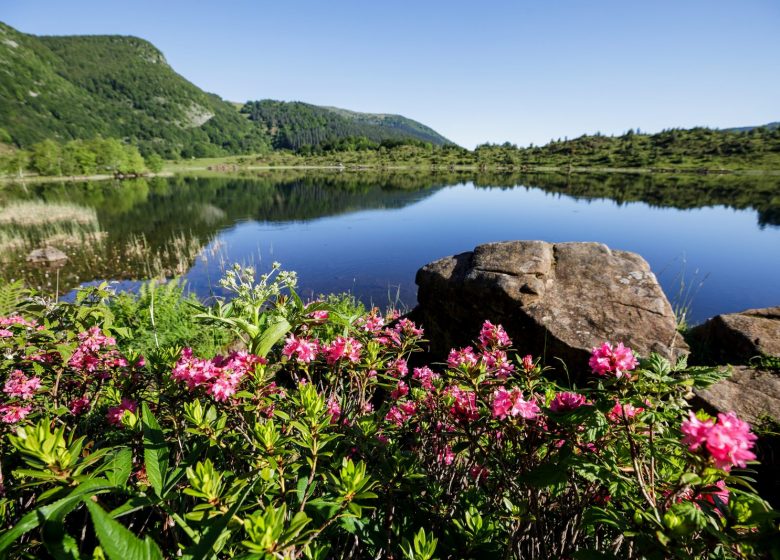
x,y
320,440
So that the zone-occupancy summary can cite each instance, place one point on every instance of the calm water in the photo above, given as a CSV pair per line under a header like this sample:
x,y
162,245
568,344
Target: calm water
x,y
369,234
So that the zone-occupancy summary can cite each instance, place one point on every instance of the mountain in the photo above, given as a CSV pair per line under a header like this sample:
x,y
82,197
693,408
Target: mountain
x,y
770,126
74,87
294,125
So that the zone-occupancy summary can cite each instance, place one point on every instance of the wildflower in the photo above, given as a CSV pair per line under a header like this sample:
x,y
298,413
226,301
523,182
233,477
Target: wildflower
x,y
695,431
116,413
372,322
619,411
5,333
401,390
715,493
400,413
528,363
21,386
343,347
13,413
305,350
445,456
463,357
398,368
566,401
478,472
408,328
492,336
78,406
425,376
511,403
618,361
464,407
319,316
497,361
334,409
728,440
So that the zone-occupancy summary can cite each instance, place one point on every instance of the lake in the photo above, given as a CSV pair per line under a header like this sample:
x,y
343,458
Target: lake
x,y
713,241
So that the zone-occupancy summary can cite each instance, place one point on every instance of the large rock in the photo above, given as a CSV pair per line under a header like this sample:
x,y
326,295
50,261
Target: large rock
x,y
750,392
47,256
555,300
735,338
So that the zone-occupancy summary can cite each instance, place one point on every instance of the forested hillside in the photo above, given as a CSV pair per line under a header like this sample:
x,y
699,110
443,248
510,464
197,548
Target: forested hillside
x,y
296,125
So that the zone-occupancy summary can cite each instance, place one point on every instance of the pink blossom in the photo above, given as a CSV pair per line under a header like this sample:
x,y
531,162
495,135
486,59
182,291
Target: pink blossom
x,y
566,401
478,472
408,328
492,336
372,322
398,368
497,361
96,353
334,409
695,431
5,333
619,411
79,406
729,442
222,388
528,363
343,347
463,357
116,413
304,350
21,386
400,413
717,490
445,456
618,361
13,413
464,407
511,403
16,320
388,337
319,316
426,377
401,390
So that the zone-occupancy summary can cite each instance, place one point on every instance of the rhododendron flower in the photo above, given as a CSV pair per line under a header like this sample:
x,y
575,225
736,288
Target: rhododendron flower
x,y
5,333
303,349
566,401
425,376
478,472
728,440
492,336
343,347
16,320
718,490
116,413
13,413
96,353
528,363
398,368
334,409
497,361
463,357
388,337
401,390
618,361
400,413
78,406
619,411
445,456
319,316
511,403
373,322
21,386
465,406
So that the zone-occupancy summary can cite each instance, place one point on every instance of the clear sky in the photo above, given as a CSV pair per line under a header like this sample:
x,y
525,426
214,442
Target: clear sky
x,y
518,71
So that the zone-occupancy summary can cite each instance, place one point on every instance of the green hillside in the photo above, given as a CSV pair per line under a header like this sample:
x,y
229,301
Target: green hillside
x,y
114,86
295,125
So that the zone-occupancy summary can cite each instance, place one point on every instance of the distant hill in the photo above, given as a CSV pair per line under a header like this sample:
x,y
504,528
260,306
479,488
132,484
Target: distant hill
x,y
73,87
293,125
770,126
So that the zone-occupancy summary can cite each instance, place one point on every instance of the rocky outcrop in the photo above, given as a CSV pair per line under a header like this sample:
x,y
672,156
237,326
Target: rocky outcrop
x,y
751,393
736,338
47,256
557,300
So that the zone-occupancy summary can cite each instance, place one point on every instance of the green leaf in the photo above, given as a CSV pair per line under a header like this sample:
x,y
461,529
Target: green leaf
x,y
117,541
273,334
155,451
119,467
59,508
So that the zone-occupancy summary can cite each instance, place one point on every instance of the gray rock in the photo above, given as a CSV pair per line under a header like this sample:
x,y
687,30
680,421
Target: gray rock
x,y
47,256
555,300
735,338
749,392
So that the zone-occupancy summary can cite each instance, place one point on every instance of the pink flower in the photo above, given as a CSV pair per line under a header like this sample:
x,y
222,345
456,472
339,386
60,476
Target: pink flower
x,y
425,376
717,491
78,406
400,413
565,401
372,322
21,386
695,431
5,333
398,368
619,411
223,387
511,403
401,390
343,347
116,413
463,357
408,328
492,336
304,350
497,361
729,442
334,409
528,363
13,413
618,361
464,407
445,456
319,316
16,320
478,472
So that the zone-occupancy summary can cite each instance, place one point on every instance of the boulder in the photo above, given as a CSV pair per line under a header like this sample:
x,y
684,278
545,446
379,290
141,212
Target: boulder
x,y
751,393
735,338
47,256
556,300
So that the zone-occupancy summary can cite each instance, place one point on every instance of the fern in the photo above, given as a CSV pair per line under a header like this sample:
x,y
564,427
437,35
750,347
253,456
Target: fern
x,y
11,295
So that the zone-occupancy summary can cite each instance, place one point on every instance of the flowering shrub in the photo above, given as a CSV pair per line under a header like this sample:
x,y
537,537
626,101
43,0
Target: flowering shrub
x,y
326,437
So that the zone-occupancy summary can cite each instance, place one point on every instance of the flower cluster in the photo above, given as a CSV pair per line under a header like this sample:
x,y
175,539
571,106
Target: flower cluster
x,y
96,354
617,361
220,376
116,413
14,321
566,402
511,403
20,386
302,349
727,440
342,347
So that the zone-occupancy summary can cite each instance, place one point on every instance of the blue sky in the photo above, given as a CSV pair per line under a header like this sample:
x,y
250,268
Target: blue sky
x,y
475,71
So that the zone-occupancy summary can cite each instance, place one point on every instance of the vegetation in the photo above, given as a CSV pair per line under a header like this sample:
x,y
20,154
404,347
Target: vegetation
x,y
320,440
303,127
